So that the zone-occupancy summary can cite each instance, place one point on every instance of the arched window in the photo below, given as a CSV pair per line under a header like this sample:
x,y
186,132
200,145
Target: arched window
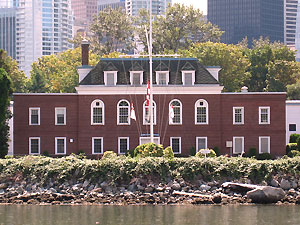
x,y
175,112
201,112
123,112
146,114
97,112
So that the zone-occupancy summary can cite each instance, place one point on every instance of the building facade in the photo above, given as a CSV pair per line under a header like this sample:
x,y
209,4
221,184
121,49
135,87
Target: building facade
x,y
248,18
292,118
114,4
159,7
290,17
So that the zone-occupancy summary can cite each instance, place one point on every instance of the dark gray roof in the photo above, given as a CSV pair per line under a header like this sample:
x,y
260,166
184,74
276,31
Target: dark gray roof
x,y
125,65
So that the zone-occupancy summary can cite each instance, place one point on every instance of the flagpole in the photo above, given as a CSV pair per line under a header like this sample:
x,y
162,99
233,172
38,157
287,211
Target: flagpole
x,y
151,80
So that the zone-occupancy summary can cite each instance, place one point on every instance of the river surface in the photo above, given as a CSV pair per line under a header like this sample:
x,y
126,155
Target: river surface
x,y
144,215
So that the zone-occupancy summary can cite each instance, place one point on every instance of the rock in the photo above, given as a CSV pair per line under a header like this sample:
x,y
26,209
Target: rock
x,y
204,187
198,201
132,187
285,184
104,184
91,187
176,186
294,184
3,186
217,198
298,199
239,187
266,194
140,187
149,189
160,189
274,183
85,184
20,190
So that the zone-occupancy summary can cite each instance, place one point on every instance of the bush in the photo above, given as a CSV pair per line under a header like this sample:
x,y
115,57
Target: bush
x,y
211,154
109,154
294,138
252,152
130,153
217,150
293,153
264,156
298,144
192,151
168,153
148,150
291,146
46,153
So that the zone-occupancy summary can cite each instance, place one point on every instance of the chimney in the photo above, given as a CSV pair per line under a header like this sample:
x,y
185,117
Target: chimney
x,y
244,89
85,52
214,71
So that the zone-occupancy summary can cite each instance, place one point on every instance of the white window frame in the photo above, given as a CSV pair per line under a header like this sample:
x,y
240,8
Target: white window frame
x,y
144,113
119,144
118,112
269,114
141,76
34,138
233,115
93,104
197,147
170,119
205,105
65,146
65,116
155,139
167,77
269,144
93,150
115,77
183,72
243,146
39,115
171,144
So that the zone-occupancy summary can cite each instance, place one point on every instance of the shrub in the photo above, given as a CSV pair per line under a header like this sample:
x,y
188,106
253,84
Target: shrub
x,y
294,138
291,146
192,151
217,150
168,153
252,152
109,154
298,144
293,153
264,156
46,153
130,153
148,150
211,154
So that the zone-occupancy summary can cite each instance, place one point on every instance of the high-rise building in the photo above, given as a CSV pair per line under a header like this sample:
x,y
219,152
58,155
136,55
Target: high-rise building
x,y
297,36
43,27
290,15
251,18
114,4
158,6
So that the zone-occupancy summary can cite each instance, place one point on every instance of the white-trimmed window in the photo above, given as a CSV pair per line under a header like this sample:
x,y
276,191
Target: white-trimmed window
x,y
264,144
60,116
146,114
97,112
238,145
60,145
162,77
188,77
238,115
136,78
34,116
123,145
176,116
201,112
97,145
201,143
123,112
264,115
34,145
175,143
110,78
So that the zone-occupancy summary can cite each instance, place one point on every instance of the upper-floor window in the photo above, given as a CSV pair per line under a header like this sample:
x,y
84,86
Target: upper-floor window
x,y
60,116
136,78
188,77
97,112
123,145
146,113
264,115
110,78
60,145
34,145
162,77
238,115
123,112
97,145
201,112
34,116
175,143
175,112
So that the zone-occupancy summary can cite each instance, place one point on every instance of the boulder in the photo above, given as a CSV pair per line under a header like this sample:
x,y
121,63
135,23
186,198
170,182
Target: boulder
x,y
176,186
205,187
266,194
239,187
285,184
274,183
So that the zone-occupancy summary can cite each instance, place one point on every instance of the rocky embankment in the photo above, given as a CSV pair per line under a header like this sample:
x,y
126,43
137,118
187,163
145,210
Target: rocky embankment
x,y
140,192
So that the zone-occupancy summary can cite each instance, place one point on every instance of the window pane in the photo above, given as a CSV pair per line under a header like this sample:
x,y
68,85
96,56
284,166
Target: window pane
x,y
98,145
136,79
176,145
110,79
201,143
292,127
264,145
60,146
177,111
238,115
264,115
97,115
123,115
60,114
201,114
34,116
188,78
238,145
162,79
34,146
123,145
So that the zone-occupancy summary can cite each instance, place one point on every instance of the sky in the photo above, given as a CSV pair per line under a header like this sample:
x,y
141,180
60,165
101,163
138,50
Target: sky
x,y
201,4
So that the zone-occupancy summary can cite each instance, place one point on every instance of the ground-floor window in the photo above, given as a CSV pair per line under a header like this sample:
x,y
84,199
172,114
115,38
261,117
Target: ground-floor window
x,y
238,145
201,143
123,145
34,145
175,143
60,146
97,145
264,144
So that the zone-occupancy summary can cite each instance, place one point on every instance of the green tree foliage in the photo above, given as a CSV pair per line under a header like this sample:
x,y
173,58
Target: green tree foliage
x,y
181,26
57,73
5,91
293,91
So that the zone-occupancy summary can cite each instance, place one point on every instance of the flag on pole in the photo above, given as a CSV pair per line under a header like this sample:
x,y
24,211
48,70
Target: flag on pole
x,y
132,112
148,94
171,111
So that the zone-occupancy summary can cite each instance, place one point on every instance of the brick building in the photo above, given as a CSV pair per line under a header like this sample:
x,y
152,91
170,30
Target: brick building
x,y
97,117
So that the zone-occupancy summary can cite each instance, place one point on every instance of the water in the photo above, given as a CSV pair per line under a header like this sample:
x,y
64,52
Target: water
x,y
145,215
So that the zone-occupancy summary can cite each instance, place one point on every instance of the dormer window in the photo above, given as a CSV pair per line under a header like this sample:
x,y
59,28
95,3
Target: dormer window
x,y
110,78
188,78
162,77
136,78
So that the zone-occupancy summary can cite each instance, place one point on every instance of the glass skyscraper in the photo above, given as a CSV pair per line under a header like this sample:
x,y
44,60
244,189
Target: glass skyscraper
x,y
8,30
158,6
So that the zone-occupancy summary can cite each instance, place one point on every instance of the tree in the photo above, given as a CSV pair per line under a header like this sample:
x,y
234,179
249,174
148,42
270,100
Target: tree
x,y
293,91
180,27
57,73
5,91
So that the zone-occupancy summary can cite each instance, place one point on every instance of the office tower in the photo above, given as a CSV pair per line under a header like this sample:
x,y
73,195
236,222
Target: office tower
x,y
115,4
251,18
159,7
8,30
290,15
43,27
297,36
